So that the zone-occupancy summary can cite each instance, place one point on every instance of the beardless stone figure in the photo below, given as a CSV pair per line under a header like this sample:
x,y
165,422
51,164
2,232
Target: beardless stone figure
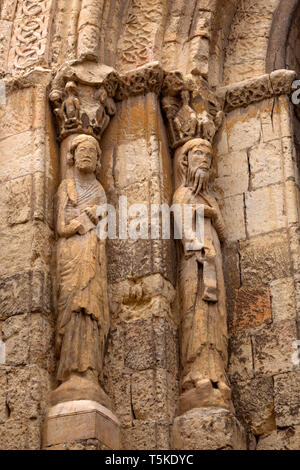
x,y
201,287
83,315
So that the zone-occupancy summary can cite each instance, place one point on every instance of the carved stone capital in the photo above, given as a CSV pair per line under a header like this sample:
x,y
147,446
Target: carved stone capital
x,y
250,91
82,96
143,80
191,109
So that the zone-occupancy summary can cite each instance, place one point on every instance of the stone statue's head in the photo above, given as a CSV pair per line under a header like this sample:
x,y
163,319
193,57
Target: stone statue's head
x,y
71,88
193,165
85,154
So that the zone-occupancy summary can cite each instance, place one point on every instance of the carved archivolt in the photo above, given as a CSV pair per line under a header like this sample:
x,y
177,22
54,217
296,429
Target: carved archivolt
x,y
31,34
141,32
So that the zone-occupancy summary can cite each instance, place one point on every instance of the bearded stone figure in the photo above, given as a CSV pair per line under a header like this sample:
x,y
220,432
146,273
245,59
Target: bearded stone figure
x,y
201,287
83,315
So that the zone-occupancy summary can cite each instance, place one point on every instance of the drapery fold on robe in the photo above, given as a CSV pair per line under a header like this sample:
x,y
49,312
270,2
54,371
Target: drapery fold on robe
x,y
202,295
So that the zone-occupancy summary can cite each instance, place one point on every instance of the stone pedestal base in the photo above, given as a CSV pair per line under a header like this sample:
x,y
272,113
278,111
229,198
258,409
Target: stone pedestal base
x,y
208,429
81,424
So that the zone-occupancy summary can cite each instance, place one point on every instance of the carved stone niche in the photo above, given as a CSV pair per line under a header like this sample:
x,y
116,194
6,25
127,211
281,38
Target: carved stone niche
x,y
191,109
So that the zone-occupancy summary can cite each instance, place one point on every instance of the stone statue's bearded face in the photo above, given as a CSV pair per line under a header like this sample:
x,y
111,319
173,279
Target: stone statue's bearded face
x,y
199,164
86,157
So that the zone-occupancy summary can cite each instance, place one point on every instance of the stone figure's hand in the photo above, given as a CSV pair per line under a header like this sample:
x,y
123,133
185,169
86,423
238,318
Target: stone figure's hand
x,y
75,227
210,212
92,213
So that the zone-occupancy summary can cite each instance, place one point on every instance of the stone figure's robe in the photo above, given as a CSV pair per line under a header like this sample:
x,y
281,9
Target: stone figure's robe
x,y
202,297
83,315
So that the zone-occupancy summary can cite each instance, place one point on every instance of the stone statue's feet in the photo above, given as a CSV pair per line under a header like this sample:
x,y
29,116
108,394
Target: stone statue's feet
x,y
80,388
200,392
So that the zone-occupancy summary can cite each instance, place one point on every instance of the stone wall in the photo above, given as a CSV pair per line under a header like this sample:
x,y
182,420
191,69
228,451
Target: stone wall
x,y
257,177
248,40
28,174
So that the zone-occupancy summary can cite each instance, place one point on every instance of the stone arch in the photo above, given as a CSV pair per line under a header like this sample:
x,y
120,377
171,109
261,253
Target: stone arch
x,y
221,26
246,51
283,18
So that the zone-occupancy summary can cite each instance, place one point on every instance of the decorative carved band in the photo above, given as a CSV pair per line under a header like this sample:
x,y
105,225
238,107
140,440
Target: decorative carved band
x,y
191,109
143,80
257,89
31,35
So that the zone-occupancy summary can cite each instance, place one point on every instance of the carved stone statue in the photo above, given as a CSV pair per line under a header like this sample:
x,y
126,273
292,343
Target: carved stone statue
x,y
71,106
201,287
186,120
106,110
83,315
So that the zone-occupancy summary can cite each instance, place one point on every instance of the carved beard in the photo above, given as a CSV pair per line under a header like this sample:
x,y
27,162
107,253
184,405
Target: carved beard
x,y
85,167
192,179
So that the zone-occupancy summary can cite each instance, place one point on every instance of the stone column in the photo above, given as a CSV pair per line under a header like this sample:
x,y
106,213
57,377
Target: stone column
x,y
81,414
141,369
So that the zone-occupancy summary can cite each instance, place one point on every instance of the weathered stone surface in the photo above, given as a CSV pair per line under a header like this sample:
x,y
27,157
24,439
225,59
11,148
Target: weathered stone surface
x,y
150,343
283,299
153,393
287,399
286,439
254,405
233,175
20,434
265,259
244,128
273,348
3,391
27,391
233,208
240,356
88,444
29,339
265,164
190,431
252,307
265,210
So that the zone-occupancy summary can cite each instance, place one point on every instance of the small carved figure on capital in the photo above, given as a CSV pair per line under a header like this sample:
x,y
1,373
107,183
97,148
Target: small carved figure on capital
x,y
71,106
106,110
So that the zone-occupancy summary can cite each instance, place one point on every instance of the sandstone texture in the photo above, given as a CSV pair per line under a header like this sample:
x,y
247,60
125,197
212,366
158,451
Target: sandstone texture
x,y
158,102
